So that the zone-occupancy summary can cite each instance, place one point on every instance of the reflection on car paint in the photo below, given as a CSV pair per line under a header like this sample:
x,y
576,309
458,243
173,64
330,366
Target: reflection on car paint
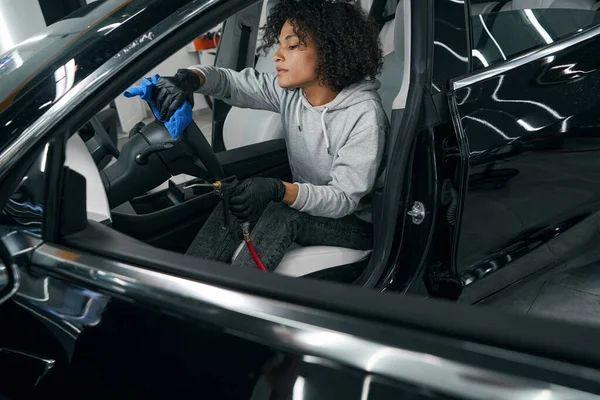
x,y
498,36
526,142
78,306
450,50
25,208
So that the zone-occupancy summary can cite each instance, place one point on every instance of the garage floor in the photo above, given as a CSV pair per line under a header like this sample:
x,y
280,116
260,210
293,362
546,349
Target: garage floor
x,y
570,293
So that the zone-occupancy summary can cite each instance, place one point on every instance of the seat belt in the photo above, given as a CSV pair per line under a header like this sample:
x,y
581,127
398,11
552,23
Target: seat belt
x,y
376,12
244,43
220,108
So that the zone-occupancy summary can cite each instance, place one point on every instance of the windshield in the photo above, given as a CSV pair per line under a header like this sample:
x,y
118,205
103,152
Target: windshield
x,y
28,57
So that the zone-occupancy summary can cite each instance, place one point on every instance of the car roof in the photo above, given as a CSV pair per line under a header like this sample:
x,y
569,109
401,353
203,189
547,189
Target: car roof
x,y
38,55
38,72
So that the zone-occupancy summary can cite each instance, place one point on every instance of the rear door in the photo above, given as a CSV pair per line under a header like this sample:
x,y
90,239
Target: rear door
x,y
527,119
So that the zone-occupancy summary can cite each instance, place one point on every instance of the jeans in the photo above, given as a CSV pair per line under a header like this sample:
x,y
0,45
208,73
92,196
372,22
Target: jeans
x,y
278,227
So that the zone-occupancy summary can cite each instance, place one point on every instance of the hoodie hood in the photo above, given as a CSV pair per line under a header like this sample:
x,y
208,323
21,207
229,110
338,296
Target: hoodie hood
x,y
365,90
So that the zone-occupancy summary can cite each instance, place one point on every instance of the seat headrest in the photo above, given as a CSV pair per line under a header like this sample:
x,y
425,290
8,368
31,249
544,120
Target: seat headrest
x,y
266,63
366,4
386,35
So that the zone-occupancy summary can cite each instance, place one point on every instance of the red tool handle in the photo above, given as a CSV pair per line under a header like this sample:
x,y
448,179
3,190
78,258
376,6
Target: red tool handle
x,y
254,255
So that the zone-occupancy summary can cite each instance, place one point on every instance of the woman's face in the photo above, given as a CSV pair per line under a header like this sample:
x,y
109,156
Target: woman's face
x,y
296,62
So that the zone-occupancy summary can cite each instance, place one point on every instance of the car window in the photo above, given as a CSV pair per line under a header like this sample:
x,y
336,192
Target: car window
x,y
25,208
500,31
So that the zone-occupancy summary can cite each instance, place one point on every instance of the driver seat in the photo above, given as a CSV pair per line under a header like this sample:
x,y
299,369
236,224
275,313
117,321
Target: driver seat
x,y
301,261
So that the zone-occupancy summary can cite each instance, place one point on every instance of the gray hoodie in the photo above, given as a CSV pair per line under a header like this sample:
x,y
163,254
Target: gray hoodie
x,y
335,150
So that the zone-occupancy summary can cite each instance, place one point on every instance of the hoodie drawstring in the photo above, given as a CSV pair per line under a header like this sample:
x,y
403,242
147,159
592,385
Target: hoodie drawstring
x,y
322,124
325,129
298,116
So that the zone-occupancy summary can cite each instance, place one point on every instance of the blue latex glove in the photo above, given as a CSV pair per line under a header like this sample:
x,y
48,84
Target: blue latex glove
x,y
180,119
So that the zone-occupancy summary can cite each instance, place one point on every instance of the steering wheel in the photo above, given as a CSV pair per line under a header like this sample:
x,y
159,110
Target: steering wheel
x,y
104,146
197,146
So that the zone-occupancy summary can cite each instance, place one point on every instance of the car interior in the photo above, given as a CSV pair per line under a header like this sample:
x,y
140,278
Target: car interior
x,y
135,193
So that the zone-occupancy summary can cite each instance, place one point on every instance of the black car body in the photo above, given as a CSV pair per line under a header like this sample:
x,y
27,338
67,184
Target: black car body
x,y
490,179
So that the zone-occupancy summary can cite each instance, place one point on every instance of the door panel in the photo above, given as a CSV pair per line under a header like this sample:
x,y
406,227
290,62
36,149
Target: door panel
x,y
150,334
531,145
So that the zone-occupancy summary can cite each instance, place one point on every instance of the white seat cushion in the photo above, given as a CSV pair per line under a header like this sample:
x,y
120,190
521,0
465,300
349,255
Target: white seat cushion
x,y
306,260
301,261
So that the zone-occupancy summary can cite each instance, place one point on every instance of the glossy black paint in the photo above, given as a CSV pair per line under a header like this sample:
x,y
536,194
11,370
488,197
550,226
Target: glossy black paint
x,y
25,208
105,347
110,345
533,140
498,36
451,52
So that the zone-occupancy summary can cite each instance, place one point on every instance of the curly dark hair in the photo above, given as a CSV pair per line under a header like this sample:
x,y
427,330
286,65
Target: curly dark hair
x,y
347,41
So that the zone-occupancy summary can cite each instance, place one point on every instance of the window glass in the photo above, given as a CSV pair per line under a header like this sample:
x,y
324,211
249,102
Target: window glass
x,y
500,32
25,208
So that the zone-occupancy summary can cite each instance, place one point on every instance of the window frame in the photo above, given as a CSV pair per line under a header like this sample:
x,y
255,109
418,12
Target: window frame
x,y
494,69
524,58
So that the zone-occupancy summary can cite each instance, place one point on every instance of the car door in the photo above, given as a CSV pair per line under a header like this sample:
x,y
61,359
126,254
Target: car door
x,y
527,119
91,324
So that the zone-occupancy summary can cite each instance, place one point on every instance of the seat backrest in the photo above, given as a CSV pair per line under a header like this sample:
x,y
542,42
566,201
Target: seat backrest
x,y
392,68
242,126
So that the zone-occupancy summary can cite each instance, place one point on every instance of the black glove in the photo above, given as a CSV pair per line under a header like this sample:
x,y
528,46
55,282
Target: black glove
x,y
253,195
171,91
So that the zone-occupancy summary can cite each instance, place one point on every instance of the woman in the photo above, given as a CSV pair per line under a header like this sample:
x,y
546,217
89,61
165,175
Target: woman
x,y
326,92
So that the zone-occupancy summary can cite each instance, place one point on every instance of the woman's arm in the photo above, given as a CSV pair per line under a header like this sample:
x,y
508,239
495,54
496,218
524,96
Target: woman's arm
x,y
353,176
245,89
200,75
291,193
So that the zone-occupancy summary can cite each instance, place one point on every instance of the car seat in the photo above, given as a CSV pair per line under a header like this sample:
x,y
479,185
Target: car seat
x,y
242,126
300,261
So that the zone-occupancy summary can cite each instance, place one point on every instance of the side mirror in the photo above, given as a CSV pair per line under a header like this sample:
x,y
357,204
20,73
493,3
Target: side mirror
x,y
9,275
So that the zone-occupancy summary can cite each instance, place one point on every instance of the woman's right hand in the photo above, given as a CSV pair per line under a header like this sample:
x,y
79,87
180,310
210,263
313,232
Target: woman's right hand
x,y
171,91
